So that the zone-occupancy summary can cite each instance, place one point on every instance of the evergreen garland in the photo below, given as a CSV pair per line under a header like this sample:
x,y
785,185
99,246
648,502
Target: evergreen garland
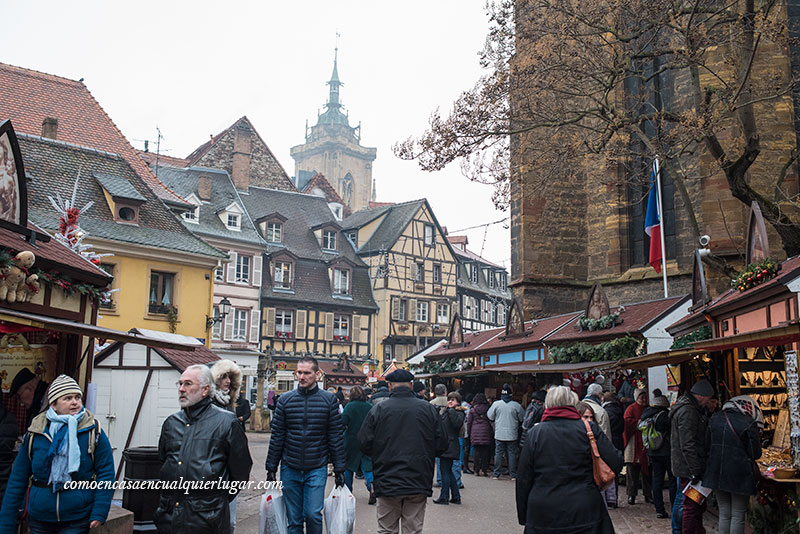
x,y
756,273
447,365
616,349
687,340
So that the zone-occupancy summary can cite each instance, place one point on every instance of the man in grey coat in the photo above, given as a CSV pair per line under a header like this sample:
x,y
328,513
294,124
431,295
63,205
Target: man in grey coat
x,y
507,415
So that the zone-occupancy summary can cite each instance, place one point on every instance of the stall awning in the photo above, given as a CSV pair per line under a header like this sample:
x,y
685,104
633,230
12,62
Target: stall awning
x,y
453,374
666,357
534,367
82,329
778,335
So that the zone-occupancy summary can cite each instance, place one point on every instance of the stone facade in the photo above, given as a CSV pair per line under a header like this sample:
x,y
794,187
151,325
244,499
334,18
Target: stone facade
x,y
249,157
578,229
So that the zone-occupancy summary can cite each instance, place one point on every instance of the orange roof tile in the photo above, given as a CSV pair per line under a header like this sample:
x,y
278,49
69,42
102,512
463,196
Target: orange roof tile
x,y
27,97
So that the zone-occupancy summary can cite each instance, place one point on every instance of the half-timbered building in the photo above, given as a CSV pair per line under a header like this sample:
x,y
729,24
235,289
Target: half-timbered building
x,y
413,271
315,291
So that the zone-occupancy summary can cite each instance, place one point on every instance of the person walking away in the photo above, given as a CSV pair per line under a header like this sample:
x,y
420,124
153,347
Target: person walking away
x,y
453,416
481,433
243,410
198,443
381,393
228,383
656,417
352,419
734,444
616,421
507,416
306,432
466,444
688,425
636,466
63,444
440,401
555,490
533,413
402,435
594,397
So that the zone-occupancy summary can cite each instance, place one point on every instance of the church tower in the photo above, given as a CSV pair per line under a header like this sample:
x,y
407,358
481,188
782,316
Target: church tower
x,y
333,148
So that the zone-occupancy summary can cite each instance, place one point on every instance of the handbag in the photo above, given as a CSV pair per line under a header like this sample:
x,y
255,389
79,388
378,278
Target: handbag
x,y
603,475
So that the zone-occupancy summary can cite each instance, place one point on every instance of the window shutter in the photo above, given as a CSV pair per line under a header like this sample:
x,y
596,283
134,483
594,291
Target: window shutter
x,y
228,334
328,326
395,308
257,263
364,337
355,335
269,323
232,267
255,326
300,328
412,310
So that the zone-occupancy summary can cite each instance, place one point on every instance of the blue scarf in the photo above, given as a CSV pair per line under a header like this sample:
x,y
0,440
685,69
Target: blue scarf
x,y
64,455
506,397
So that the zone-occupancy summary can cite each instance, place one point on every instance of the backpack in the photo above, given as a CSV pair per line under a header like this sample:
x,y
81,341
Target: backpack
x,y
651,438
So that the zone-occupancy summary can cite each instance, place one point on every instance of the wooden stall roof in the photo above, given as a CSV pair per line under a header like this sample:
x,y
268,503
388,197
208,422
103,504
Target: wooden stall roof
x,y
71,327
777,335
328,367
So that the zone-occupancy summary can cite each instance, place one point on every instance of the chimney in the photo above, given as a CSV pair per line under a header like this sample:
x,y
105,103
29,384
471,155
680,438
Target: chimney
x,y
241,157
204,187
50,128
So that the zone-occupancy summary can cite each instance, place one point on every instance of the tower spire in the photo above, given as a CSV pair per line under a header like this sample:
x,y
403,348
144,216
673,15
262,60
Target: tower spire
x,y
334,83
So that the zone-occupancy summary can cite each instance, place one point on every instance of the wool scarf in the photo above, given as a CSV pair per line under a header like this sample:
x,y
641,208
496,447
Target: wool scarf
x,y
223,397
64,454
560,412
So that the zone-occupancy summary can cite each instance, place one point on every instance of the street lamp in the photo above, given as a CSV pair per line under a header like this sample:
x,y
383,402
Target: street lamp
x,y
224,310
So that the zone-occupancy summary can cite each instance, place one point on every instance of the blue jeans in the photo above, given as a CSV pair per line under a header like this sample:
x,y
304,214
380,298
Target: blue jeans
x,y
348,476
449,484
660,466
456,471
502,448
677,507
304,495
79,526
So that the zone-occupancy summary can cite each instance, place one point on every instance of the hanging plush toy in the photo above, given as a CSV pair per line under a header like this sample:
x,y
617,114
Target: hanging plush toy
x,y
15,274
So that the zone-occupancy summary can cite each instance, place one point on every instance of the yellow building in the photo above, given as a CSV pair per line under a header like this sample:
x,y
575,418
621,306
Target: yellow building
x,y
163,273
413,271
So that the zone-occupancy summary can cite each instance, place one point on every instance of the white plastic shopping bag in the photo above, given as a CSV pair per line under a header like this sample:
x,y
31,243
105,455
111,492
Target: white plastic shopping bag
x,y
340,511
273,514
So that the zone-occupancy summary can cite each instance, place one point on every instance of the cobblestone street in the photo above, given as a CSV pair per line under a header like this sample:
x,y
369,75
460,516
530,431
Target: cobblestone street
x,y
488,506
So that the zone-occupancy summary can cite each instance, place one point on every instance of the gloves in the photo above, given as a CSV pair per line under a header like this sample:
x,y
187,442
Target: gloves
x,y
270,476
338,479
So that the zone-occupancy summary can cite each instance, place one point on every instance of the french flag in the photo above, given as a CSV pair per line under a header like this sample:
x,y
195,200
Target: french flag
x,y
652,220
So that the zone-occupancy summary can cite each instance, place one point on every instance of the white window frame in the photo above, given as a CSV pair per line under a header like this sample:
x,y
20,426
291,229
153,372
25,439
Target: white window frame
x,y
236,219
473,273
437,273
341,327
422,311
241,324
192,215
243,264
429,236
419,272
491,276
341,281
278,281
442,313
329,240
284,323
219,274
274,229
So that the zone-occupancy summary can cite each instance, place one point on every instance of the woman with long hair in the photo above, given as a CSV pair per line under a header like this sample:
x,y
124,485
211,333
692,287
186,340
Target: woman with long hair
x,y
481,433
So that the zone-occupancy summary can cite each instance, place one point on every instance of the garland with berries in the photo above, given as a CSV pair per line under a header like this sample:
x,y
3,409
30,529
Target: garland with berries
x,y
756,273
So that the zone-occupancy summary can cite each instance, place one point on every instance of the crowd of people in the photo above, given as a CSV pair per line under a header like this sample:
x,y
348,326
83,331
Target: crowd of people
x,y
394,438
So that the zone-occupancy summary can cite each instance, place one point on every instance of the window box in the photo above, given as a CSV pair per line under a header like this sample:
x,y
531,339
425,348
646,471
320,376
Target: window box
x,y
341,338
285,335
159,309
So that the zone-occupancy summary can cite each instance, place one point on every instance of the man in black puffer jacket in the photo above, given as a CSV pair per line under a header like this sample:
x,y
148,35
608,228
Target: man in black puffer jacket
x,y
402,435
200,445
307,433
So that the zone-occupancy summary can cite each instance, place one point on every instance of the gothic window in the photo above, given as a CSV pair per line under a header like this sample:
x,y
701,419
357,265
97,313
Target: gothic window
x,y
346,188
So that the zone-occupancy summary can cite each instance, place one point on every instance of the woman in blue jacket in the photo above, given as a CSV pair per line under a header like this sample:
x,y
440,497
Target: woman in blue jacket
x,y
62,445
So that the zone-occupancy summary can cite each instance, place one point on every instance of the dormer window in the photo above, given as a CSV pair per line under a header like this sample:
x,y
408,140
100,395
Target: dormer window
x,y
123,199
192,215
473,273
341,282
274,232
231,217
329,240
283,275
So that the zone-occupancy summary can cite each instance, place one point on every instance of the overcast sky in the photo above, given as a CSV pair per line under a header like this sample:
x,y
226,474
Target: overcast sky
x,y
193,68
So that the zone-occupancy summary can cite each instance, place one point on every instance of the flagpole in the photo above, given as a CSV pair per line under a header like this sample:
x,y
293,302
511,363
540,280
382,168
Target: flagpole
x,y
663,228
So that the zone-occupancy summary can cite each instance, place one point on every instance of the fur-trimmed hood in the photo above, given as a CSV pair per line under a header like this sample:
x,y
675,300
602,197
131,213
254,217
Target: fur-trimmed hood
x,y
234,372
